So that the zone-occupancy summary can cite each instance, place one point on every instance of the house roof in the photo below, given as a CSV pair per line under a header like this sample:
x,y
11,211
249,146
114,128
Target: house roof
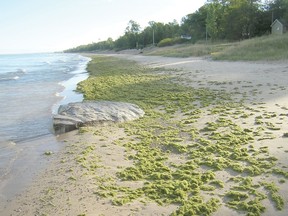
x,y
282,22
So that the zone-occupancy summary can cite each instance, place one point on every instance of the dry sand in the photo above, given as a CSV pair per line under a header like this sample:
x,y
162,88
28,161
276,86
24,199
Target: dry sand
x,y
65,189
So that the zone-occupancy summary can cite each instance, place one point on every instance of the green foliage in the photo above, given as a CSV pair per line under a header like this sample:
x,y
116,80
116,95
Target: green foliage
x,y
102,45
234,20
170,42
280,9
195,24
215,16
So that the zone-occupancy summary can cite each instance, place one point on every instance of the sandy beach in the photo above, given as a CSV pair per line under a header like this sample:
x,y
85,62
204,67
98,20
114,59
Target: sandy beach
x,y
66,188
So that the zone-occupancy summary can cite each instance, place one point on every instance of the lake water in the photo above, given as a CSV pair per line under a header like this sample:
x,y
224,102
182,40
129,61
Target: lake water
x,y
32,86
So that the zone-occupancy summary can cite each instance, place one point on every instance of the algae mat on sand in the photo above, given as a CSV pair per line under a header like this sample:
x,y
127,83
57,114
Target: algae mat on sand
x,y
191,149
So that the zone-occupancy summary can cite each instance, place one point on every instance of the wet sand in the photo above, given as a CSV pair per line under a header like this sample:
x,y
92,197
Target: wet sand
x,y
27,161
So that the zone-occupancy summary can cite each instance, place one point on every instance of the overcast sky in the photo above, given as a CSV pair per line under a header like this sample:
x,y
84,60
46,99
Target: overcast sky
x,y
55,25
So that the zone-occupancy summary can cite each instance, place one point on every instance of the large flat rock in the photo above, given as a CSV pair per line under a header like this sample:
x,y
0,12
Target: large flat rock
x,y
75,115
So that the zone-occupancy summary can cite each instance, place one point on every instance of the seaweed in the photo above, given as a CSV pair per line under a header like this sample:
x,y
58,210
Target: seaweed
x,y
196,206
252,207
279,171
273,193
220,145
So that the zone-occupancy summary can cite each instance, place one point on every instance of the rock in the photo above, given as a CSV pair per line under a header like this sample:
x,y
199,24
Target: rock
x,y
75,115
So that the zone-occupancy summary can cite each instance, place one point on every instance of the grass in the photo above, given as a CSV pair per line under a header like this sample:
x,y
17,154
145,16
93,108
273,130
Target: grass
x,y
170,129
188,50
262,48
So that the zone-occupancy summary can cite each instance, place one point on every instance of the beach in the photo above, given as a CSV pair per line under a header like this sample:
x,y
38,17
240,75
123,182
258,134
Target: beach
x,y
67,187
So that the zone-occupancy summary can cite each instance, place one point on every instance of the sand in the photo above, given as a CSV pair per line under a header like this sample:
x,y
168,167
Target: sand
x,y
63,188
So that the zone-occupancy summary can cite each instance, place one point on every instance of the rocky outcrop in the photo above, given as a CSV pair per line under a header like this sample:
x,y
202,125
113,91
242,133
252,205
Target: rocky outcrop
x,y
75,115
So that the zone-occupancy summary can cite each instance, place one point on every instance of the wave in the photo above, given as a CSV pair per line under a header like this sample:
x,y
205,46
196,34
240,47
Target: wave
x,y
59,95
23,71
68,69
9,78
12,75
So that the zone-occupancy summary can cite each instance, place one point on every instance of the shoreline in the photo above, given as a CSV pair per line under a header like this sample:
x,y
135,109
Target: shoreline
x,y
245,77
26,166
69,93
29,159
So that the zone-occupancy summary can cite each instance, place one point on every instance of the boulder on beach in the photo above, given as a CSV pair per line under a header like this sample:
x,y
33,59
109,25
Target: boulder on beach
x,y
74,115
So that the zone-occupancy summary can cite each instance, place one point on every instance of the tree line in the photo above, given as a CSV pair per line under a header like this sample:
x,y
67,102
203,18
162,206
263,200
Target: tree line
x,y
230,20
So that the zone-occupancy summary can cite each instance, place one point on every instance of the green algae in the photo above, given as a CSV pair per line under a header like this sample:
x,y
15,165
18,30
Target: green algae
x,y
48,153
196,206
273,193
285,135
221,145
252,207
236,195
280,172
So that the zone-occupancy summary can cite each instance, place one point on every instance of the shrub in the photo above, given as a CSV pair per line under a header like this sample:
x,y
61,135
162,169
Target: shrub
x,y
171,41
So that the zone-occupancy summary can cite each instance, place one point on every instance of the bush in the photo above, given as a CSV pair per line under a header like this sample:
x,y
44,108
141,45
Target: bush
x,y
171,41
166,42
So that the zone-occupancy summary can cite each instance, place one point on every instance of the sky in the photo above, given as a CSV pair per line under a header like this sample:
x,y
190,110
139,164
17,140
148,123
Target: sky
x,y
28,26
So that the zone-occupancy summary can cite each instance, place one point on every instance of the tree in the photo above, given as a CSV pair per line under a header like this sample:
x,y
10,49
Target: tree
x,y
133,27
195,24
122,43
279,9
172,29
237,20
214,21
233,19
159,31
146,36
131,33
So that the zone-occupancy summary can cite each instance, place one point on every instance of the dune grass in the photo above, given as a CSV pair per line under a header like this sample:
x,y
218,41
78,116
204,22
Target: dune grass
x,y
188,50
271,47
